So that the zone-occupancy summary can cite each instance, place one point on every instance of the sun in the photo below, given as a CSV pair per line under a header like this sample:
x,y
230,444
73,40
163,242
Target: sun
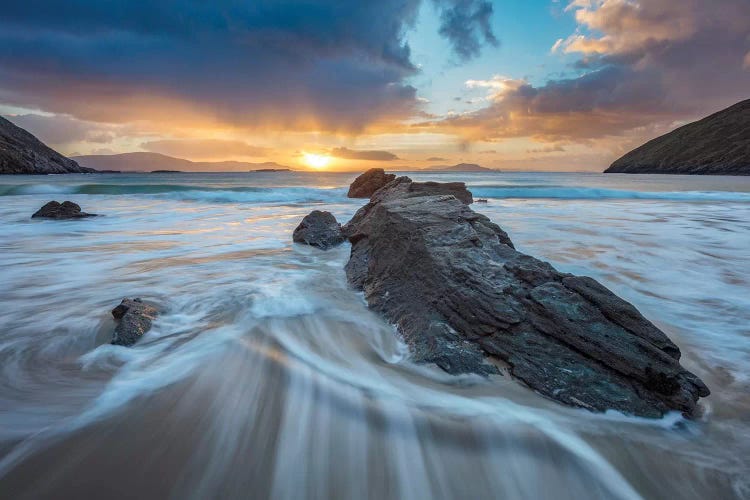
x,y
317,162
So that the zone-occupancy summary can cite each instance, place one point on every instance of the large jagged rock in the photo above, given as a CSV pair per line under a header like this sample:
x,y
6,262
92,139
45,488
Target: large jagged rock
x,y
716,145
366,184
64,210
22,153
462,297
319,229
134,318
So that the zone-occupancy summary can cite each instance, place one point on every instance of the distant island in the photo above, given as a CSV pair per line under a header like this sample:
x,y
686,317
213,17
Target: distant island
x,y
462,167
166,171
157,162
22,153
716,145
260,170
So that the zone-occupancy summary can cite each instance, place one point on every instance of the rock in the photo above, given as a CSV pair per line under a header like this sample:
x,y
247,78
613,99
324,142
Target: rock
x,y
457,189
133,318
319,229
481,200
366,184
64,210
716,145
404,187
22,153
462,297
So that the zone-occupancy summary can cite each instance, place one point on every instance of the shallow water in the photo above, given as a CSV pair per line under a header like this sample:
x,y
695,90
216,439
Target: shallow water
x,y
268,377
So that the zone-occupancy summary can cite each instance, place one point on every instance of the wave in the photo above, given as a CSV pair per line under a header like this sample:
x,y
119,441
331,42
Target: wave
x,y
222,194
585,193
185,192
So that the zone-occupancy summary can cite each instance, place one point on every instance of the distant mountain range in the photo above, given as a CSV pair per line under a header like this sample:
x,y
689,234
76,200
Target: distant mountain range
x,y
157,161
462,167
716,145
22,153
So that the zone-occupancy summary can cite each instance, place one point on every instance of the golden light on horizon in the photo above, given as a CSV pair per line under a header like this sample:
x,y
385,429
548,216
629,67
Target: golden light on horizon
x,y
318,162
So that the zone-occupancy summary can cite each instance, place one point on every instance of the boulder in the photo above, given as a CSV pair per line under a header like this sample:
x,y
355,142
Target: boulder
x,y
133,317
64,210
366,184
463,298
319,229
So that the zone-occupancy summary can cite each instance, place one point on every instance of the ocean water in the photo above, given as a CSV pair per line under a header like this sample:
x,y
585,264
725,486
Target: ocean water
x,y
267,377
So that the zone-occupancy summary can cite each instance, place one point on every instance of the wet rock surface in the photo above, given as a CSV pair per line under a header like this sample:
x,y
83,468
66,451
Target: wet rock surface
x,y
462,297
134,318
366,184
64,210
319,229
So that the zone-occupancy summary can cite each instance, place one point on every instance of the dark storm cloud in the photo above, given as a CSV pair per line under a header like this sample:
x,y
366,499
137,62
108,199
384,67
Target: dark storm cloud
x,y
289,63
466,23
351,154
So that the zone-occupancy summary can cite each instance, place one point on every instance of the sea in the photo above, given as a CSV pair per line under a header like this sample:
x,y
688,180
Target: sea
x,y
266,376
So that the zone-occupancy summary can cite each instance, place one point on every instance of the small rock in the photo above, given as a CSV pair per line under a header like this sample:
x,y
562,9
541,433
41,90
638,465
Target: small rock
x,y
64,210
366,184
133,318
481,200
319,229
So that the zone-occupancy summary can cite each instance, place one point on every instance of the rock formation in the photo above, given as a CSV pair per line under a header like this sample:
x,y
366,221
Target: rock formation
x,y
716,145
22,153
64,210
319,229
366,184
133,318
457,189
462,297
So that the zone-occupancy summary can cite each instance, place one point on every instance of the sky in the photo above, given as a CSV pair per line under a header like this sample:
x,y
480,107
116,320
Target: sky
x,y
349,85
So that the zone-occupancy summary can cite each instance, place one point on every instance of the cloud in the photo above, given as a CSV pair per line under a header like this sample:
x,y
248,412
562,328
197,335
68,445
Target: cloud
x,y
98,151
205,148
556,148
351,154
284,64
436,158
643,65
61,129
466,24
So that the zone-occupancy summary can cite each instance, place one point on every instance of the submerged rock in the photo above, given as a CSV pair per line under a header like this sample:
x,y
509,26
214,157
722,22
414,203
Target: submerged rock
x,y
366,184
465,299
133,318
319,229
64,210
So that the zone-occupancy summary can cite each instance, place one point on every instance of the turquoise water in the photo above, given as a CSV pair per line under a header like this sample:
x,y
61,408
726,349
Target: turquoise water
x,y
267,376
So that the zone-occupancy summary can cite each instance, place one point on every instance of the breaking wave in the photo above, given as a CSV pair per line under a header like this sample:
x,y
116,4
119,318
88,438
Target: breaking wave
x,y
184,192
306,194
588,193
